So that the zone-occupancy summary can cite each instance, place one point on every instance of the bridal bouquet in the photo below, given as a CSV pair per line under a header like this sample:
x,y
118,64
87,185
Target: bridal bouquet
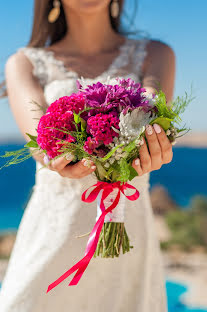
x,y
104,123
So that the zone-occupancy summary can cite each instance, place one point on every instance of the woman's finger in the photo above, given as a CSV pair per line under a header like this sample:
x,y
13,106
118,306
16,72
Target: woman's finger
x,y
59,163
78,170
154,148
166,146
145,158
136,164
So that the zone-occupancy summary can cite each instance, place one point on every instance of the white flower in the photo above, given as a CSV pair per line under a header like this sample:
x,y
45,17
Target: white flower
x,y
117,156
111,160
150,98
106,165
133,123
168,132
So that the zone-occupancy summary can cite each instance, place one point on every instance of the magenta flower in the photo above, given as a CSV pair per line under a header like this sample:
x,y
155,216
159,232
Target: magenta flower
x,y
126,94
100,128
59,115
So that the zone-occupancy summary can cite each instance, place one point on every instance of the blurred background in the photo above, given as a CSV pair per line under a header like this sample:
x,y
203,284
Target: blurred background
x,y
179,189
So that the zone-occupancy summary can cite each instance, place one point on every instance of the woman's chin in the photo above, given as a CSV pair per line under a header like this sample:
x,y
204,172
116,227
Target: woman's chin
x,y
88,6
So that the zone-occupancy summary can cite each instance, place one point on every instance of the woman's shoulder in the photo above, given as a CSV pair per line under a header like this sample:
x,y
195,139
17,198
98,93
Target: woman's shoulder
x,y
28,60
17,61
25,54
158,47
152,49
158,52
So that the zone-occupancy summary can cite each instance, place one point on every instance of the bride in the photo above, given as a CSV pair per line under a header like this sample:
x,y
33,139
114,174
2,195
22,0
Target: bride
x,y
73,39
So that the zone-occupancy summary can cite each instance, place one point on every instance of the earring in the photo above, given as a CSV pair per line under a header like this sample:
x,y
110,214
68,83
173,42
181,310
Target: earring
x,y
55,12
115,8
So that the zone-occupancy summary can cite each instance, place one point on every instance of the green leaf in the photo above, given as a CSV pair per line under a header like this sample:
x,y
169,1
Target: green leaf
x,y
83,124
76,118
133,173
164,122
124,170
31,144
32,137
101,171
130,146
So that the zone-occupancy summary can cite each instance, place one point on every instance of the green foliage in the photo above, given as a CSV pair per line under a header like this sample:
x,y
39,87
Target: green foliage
x,y
188,226
163,109
110,153
181,102
31,144
133,173
41,108
17,156
32,137
124,172
164,122
175,107
101,173
199,205
128,148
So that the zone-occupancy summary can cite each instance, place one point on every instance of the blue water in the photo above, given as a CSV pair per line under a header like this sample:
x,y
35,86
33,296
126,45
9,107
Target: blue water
x,y
184,177
174,291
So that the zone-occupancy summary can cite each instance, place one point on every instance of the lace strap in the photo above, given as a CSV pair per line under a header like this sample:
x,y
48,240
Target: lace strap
x,y
39,61
139,55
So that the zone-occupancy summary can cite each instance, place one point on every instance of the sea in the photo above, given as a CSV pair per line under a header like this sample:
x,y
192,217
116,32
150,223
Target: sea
x,y
175,291
184,178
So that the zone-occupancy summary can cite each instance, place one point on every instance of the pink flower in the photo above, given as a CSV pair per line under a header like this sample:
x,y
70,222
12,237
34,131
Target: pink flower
x,y
100,128
59,115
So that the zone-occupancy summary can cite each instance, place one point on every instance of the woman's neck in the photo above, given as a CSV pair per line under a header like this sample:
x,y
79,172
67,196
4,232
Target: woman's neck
x,y
90,34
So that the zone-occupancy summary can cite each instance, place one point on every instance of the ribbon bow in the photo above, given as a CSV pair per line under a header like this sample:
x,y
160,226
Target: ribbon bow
x,y
107,188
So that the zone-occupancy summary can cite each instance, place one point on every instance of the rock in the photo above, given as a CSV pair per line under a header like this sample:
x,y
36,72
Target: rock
x,y
6,244
161,200
163,232
194,139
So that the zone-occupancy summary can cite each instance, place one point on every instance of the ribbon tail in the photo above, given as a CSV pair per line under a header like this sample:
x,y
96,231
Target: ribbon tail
x,y
93,246
83,263
78,275
67,273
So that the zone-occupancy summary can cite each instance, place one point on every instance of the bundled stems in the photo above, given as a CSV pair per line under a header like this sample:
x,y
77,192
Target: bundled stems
x,y
112,238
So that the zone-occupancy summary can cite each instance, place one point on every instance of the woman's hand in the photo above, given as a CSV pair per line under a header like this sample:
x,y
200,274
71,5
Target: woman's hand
x,y
160,151
76,171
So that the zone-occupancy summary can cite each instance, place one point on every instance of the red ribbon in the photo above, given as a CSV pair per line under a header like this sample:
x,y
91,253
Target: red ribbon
x,y
107,188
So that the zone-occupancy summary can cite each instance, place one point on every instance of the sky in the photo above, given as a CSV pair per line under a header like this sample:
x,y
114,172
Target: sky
x,y
182,24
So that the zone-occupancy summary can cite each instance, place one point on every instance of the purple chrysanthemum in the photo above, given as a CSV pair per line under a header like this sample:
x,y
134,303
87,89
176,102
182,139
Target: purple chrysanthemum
x,y
124,95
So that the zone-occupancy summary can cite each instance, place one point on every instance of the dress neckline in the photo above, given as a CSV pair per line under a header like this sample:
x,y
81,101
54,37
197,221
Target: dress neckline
x,y
122,50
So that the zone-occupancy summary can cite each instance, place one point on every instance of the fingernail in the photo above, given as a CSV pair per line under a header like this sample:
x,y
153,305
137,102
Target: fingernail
x,y
149,129
46,159
93,167
141,141
69,156
157,128
87,163
137,161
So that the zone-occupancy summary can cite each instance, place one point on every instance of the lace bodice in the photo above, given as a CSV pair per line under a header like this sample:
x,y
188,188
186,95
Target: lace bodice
x,y
57,81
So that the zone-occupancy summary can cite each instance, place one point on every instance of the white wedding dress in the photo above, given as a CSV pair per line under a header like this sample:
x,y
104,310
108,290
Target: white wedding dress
x,y
46,245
